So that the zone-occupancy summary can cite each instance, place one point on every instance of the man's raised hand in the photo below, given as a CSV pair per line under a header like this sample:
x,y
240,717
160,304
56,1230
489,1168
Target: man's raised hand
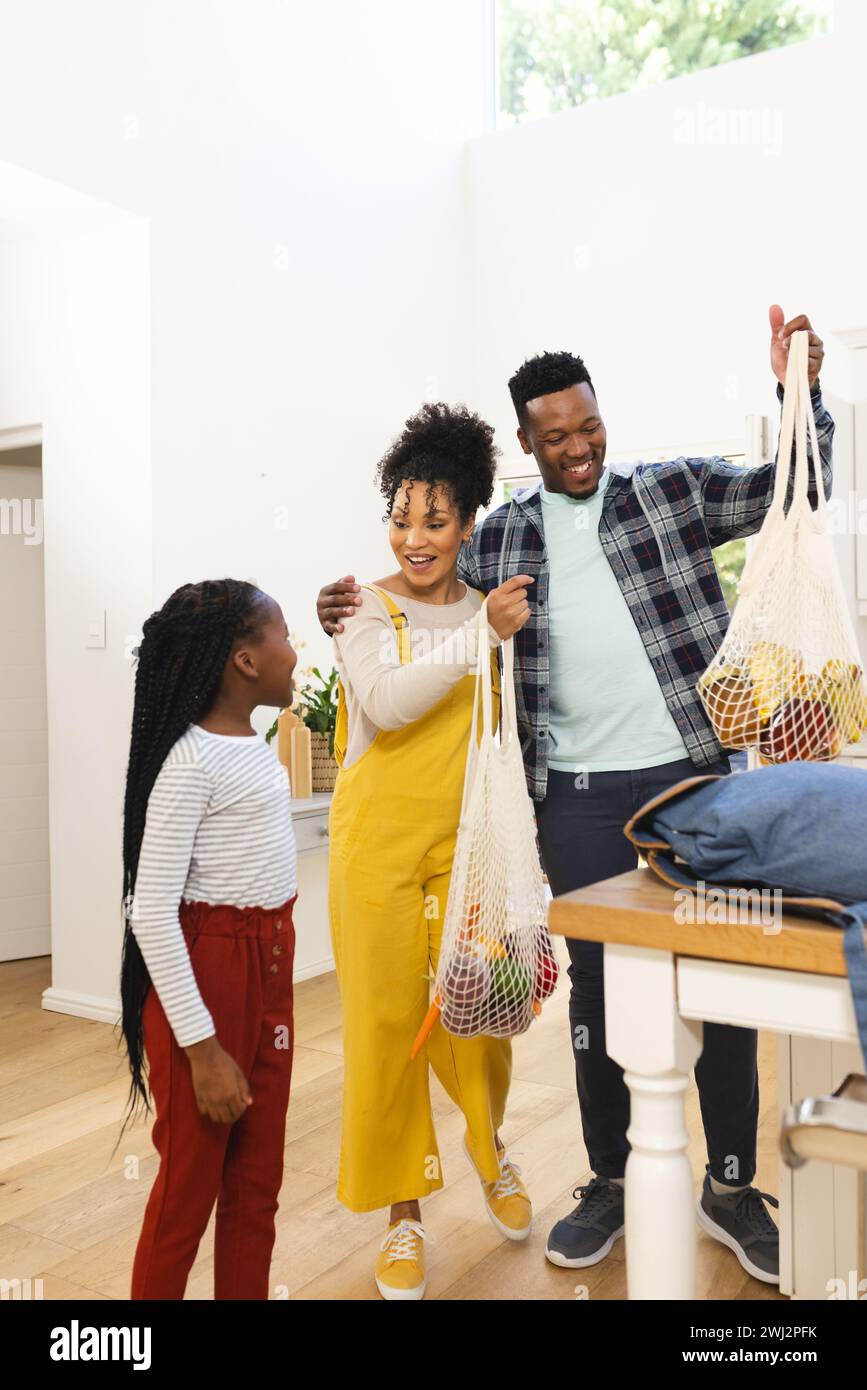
x,y
781,333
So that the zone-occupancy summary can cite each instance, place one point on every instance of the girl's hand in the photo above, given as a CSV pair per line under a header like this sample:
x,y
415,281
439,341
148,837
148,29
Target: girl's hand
x,y
508,608
221,1089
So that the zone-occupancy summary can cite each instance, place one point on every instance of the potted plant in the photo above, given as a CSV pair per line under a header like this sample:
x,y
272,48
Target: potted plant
x,y
316,706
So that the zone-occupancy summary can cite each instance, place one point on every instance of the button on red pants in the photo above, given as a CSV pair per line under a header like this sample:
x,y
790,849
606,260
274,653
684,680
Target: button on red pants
x,y
242,960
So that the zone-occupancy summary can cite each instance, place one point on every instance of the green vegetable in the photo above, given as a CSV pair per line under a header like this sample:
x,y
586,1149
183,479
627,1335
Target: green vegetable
x,y
510,981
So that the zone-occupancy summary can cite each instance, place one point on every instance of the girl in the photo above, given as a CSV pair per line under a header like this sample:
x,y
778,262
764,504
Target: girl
x,y
406,664
206,980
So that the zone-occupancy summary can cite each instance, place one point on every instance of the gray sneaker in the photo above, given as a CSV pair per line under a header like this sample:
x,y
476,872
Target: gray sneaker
x,y
586,1235
740,1221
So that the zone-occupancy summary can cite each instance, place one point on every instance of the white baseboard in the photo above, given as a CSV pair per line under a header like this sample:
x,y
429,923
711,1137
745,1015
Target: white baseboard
x,y
103,1010
319,967
95,1006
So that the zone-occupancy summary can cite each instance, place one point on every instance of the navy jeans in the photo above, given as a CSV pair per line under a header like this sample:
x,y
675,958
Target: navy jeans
x,y
581,841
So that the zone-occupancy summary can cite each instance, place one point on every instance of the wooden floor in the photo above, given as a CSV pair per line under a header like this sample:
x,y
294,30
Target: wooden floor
x,y
70,1213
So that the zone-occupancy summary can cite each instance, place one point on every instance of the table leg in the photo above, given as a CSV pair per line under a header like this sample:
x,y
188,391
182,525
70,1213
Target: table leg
x,y
657,1050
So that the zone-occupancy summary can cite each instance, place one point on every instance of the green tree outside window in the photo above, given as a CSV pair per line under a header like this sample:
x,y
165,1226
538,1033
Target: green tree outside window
x,y
556,54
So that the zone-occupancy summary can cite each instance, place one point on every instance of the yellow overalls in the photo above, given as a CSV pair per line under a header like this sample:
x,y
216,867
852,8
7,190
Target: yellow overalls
x,y
392,827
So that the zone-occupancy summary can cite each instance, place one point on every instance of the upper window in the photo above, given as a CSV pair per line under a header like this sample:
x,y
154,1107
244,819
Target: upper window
x,y
555,54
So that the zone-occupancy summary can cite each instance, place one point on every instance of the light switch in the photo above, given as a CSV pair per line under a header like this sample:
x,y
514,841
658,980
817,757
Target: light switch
x,y
96,631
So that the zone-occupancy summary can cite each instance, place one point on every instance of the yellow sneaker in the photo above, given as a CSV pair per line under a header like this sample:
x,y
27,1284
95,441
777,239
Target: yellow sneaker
x,y
507,1200
400,1262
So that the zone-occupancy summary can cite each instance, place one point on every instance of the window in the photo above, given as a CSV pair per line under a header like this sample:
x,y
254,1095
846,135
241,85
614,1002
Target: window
x,y
556,54
729,560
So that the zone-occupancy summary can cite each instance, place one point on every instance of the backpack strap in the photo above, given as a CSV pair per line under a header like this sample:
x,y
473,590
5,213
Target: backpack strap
x,y
400,623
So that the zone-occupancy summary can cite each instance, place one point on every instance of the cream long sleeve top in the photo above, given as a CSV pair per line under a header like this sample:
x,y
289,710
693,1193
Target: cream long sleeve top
x,y
382,694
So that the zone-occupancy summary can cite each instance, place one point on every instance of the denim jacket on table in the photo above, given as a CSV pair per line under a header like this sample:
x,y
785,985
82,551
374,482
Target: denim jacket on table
x,y
658,524
800,828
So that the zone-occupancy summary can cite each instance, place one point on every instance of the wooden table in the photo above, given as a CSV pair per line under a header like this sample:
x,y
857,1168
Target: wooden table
x,y
663,979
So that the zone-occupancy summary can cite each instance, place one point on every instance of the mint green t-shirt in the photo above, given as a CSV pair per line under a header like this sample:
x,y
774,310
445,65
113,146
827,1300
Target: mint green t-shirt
x,y
606,710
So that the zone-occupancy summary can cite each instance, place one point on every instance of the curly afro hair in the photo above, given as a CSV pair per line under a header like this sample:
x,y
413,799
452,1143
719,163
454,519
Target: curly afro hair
x,y
445,444
540,376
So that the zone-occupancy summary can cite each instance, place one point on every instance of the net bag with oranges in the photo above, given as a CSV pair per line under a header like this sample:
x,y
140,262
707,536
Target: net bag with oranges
x,y
787,679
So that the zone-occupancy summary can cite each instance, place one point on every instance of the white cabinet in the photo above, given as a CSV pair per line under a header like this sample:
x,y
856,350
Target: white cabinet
x,y
313,954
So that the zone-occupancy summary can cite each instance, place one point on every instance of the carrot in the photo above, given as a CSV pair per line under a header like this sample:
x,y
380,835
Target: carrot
x,y
424,1031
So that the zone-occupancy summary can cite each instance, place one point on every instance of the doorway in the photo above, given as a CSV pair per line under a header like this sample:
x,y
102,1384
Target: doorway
x,y
25,898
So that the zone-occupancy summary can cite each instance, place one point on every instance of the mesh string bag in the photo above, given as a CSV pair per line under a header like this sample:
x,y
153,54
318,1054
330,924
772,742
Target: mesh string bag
x,y
787,679
497,960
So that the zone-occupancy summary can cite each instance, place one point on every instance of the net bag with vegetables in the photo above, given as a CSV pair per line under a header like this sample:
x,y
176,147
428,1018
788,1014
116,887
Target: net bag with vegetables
x,y
787,679
497,961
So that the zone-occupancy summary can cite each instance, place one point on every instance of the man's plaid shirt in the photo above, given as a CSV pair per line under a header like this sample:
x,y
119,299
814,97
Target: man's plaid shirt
x,y
657,528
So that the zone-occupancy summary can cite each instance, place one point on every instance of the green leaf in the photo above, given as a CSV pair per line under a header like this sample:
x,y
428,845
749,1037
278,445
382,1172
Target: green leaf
x,y
317,705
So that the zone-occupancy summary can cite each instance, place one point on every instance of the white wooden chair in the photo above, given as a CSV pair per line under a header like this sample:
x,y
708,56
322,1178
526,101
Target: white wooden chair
x,y
832,1129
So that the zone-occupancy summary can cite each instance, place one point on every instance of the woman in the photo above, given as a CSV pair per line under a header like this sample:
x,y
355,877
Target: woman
x,y
407,664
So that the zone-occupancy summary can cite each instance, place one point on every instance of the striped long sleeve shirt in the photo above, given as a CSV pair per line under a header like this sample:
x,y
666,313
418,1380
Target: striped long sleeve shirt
x,y
218,830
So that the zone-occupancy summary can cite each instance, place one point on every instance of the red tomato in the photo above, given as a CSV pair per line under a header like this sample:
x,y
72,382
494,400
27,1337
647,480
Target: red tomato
x,y
547,971
800,730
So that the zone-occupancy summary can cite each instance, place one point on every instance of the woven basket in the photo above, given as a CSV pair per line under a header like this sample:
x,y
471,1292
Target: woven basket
x,y
324,765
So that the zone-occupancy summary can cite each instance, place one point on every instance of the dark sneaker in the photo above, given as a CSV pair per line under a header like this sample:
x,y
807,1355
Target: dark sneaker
x,y
740,1221
586,1235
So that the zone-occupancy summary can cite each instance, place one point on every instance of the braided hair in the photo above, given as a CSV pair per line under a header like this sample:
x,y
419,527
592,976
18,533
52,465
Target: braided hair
x,y
179,667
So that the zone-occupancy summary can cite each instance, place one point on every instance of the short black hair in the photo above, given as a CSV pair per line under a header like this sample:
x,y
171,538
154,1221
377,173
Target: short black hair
x,y
539,376
445,444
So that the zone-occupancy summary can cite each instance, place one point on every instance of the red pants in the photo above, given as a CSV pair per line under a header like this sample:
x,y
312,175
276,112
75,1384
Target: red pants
x,y
242,960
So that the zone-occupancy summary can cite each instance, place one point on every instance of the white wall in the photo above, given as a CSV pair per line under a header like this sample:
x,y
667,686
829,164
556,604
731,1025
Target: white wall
x,y
300,165
300,169
650,232
626,232
74,358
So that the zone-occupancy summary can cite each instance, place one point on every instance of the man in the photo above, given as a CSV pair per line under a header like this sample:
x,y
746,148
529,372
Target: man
x,y
626,613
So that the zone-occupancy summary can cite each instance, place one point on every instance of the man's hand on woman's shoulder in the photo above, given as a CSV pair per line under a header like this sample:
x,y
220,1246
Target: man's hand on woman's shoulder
x,y
336,601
